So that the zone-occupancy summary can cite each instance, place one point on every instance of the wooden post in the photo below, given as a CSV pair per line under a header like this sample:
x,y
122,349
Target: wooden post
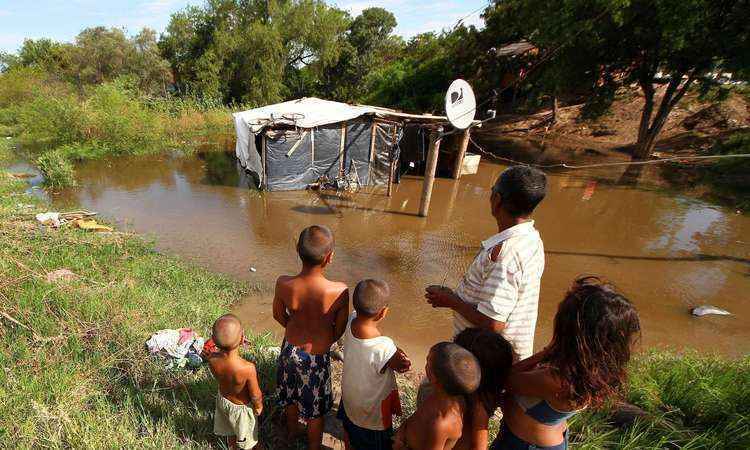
x,y
459,163
391,162
373,130
264,182
341,149
429,173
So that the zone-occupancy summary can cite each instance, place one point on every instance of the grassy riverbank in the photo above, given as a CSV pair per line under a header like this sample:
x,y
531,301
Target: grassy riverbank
x,y
58,124
75,374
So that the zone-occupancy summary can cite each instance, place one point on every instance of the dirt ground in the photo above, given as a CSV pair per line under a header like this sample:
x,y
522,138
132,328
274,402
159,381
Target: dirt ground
x,y
692,126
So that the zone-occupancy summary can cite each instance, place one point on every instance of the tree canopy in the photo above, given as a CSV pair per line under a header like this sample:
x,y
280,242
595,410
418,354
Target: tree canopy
x,y
99,55
248,51
599,45
263,51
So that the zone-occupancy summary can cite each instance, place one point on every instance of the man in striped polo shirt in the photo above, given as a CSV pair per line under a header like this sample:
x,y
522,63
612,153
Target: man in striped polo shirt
x,y
500,290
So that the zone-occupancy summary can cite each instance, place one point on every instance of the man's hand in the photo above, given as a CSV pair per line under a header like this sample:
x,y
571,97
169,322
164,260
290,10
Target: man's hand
x,y
399,362
440,296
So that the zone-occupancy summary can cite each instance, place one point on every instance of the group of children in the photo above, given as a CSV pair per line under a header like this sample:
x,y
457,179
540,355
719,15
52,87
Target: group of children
x,y
315,314
583,366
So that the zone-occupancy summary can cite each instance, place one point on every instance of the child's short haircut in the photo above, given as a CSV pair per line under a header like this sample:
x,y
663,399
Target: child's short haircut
x,y
314,244
494,353
370,297
455,368
227,332
521,189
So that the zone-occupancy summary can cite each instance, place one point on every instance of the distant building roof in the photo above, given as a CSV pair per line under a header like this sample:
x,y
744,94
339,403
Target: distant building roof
x,y
516,48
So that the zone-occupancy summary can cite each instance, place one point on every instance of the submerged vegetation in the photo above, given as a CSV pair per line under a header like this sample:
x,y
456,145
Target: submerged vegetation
x,y
76,374
57,124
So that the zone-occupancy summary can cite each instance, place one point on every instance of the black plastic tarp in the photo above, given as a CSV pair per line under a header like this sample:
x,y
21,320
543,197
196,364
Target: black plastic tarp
x,y
296,158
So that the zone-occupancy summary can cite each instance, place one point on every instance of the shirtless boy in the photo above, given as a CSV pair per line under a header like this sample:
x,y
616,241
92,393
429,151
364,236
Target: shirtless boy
x,y
238,386
314,312
437,423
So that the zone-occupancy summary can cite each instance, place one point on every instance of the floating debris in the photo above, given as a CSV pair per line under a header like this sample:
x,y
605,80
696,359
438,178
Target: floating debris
x,y
21,175
253,269
589,191
90,225
706,310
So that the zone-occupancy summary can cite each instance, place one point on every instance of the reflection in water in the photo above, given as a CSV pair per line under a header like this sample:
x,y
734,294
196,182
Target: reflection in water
x,y
667,253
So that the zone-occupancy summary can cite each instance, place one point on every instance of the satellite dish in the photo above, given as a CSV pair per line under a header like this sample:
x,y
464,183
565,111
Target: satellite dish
x,y
460,104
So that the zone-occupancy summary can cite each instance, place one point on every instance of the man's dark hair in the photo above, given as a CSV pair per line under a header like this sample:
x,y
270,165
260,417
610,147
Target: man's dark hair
x,y
370,297
455,368
314,244
521,189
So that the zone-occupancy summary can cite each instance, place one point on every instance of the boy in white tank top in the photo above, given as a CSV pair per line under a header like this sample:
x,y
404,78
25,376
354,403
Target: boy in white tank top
x,y
369,392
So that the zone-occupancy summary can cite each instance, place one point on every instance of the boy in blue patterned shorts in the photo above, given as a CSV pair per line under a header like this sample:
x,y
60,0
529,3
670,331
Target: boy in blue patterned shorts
x,y
314,312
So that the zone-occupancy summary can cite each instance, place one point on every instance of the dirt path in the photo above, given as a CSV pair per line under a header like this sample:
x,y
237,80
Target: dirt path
x,y
693,125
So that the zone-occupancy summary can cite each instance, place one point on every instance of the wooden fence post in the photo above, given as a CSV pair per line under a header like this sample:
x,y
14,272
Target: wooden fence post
x,y
459,163
429,173
392,162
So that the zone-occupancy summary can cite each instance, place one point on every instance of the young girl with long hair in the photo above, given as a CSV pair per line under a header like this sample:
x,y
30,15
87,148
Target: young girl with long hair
x,y
583,366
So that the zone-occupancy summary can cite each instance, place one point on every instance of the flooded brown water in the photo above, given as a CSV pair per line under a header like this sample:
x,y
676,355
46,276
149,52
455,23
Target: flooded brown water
x,y
666,252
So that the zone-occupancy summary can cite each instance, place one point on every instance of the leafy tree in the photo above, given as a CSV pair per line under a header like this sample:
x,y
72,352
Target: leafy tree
x,y
603,44
418,79
97,56
368,44
101,54
250,51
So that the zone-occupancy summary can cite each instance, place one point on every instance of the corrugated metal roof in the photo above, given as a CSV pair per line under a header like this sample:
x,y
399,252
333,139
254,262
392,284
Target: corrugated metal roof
x,y
516,48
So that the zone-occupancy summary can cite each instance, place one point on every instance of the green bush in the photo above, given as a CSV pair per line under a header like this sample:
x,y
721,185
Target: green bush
x,y
57,169
49,121
84,152
116,118
19,85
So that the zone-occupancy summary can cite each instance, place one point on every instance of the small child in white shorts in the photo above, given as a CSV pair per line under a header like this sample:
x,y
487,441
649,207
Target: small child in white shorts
x,y
239,401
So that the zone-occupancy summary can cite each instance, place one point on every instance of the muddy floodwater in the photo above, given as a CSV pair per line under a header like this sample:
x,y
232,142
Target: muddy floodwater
x,y
666,252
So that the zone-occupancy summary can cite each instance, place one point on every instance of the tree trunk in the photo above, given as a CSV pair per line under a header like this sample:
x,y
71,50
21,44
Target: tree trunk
x,y
554,110
647,133
648,107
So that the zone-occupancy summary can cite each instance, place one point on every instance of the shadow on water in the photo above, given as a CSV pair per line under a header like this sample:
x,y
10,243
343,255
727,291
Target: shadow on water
x,y
223,169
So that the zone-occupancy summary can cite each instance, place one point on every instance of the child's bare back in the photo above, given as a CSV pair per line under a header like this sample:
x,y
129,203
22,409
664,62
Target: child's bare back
x,y
437,423
236,377
316,310
240,400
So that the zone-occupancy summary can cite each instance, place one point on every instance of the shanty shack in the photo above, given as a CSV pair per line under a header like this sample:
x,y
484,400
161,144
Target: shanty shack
x,y
300,143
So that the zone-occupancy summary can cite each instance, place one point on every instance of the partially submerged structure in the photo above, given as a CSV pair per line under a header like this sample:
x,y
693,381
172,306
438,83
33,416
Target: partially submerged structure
x,y
305,142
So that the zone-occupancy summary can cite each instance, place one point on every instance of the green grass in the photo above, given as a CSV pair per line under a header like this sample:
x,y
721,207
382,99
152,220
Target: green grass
x,y
692,401
55,121
79,377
